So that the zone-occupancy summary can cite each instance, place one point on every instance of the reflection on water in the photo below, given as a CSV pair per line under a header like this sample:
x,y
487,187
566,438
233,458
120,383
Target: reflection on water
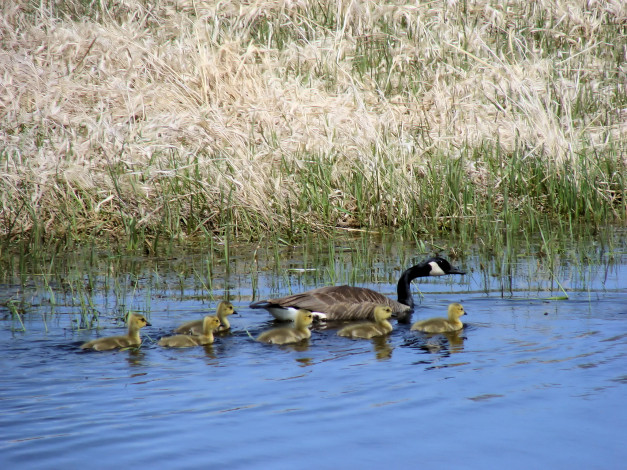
x,y
450,342
382,348
527,380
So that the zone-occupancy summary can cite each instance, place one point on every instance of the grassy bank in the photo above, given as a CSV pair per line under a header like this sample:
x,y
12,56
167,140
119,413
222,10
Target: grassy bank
x,y
145,121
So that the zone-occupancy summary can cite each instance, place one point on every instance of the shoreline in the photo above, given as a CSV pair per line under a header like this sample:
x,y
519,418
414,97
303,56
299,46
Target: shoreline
x,y
204,120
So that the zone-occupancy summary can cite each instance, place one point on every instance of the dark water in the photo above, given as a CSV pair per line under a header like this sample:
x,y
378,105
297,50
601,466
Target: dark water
x,y
530,383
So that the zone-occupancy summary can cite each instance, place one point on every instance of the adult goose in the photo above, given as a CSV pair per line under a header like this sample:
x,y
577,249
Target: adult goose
x,y
356,303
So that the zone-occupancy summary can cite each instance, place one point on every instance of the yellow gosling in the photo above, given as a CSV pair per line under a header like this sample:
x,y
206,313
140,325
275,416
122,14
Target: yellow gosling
x,y
135,322
442,325
381,326
287,335
195,327
209,325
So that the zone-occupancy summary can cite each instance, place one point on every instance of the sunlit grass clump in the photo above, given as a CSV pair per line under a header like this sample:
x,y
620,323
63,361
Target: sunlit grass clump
x,y
141,121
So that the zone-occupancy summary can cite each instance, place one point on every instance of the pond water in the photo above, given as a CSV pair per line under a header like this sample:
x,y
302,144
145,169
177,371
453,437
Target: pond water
x,y
532,381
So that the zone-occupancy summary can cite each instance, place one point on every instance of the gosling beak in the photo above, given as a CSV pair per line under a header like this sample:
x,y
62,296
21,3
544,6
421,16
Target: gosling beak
x,y
148,323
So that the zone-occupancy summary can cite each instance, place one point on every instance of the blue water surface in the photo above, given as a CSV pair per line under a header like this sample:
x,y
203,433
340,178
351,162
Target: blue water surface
x,y
532,382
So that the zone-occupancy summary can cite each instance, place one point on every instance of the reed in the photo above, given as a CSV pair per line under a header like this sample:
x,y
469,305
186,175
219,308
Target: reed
x,y
234,120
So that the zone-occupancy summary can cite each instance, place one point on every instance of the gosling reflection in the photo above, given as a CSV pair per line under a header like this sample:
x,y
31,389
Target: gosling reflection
x,y
382,348
451,342
442,325
209,325
209,352
290,335
381,326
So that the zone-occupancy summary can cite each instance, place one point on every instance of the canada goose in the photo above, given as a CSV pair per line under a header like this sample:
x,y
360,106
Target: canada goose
x,y
442,325
381,325
195,327
209,324
286,335
355,303
135,322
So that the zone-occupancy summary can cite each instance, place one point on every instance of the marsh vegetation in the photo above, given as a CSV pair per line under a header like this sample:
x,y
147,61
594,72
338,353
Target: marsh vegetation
x,y
150,122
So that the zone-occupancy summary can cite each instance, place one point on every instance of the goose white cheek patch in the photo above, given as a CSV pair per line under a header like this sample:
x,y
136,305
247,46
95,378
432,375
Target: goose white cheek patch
x,y
436,270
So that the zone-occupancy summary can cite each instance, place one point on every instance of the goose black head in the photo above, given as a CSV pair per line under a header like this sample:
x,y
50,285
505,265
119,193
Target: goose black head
x,y
441,267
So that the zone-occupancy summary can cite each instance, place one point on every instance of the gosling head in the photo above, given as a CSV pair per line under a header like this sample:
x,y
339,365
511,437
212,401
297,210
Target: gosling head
x,y
381,313
136,320
226,308
455,310
210,323
304,318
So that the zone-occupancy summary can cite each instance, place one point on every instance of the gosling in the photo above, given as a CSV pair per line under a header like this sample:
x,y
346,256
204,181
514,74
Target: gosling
x,y
131,339
442,325
195,327
381,326
287,335
209,325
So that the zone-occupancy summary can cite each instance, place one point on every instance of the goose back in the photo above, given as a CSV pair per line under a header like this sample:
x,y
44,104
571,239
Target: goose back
x,y
337,302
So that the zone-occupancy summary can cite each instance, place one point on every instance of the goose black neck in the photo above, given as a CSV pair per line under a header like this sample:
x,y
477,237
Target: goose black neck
x,y
403,289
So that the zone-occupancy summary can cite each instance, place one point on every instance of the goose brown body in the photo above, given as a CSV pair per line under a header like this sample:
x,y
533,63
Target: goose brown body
x,y
131,339
381,325
195,327
287,335
355,303
443,325
209,325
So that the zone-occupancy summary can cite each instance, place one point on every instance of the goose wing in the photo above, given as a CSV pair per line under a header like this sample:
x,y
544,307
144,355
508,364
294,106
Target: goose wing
x,y
338,302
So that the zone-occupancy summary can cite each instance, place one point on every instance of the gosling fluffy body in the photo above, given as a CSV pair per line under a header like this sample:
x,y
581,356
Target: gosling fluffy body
x,y
381,326
287,335
131,339
209,325
442,325
195,327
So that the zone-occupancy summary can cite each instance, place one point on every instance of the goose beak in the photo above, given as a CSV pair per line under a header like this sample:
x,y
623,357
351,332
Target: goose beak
x,y
148,323
454,270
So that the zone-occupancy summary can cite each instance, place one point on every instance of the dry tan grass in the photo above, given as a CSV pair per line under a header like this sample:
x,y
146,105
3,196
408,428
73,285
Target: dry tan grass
x,y
99,114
